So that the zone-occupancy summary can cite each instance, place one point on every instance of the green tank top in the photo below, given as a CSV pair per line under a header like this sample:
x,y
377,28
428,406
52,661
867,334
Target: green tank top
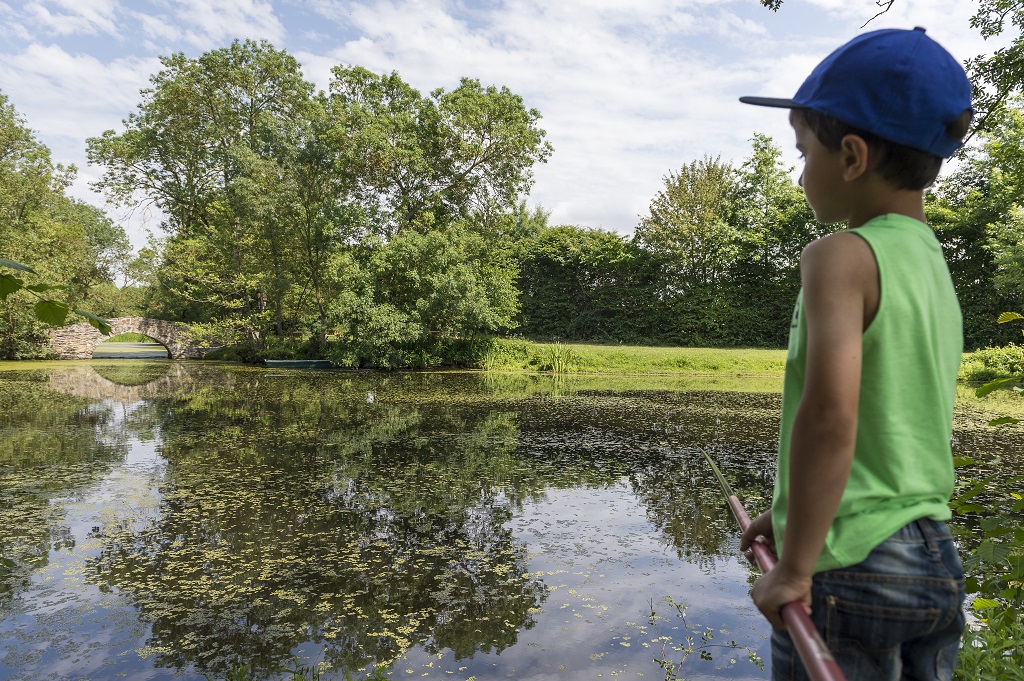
x,y
903,464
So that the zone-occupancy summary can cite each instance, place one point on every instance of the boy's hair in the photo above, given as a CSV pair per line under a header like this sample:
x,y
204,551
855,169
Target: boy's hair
x,y
901,166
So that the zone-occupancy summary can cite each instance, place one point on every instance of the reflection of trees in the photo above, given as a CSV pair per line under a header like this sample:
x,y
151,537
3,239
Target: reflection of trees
x,y
49,445
653,439
312,514
129,373
135,381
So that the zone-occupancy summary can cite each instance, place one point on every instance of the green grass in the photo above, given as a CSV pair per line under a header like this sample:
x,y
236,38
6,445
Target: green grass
x,y
129,337
573,358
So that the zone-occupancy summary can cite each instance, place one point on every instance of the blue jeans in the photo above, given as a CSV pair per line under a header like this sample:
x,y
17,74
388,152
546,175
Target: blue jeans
x,y
896,615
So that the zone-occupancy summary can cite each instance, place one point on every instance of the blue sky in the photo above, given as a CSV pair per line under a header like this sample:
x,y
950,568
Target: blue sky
x,y
628,89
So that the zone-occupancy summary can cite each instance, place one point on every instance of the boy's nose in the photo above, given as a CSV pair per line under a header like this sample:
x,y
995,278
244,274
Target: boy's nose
x,y
801,180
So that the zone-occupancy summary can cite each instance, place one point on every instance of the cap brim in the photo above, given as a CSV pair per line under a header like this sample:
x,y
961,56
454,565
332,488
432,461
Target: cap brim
x,y
773,102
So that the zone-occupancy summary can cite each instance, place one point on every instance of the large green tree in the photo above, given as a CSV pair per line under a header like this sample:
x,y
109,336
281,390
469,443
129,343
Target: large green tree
x,y
690,233
210,145
75,250
975,214
293,213
426,161
774,224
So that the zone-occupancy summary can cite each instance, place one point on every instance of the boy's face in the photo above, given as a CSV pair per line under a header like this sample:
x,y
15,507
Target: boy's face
x,y
822,176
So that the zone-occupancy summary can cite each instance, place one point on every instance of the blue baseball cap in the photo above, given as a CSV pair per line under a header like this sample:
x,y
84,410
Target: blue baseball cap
x,y
897,84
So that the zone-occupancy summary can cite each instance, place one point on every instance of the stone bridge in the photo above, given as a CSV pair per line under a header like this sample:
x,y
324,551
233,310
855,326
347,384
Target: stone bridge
x,y
79,341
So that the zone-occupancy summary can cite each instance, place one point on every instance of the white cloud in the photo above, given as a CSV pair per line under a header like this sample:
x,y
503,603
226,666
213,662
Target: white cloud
x,y
69,17
72,96
209,25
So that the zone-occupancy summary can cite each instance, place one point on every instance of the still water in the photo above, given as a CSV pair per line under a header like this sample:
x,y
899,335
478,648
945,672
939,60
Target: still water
x,y
174,520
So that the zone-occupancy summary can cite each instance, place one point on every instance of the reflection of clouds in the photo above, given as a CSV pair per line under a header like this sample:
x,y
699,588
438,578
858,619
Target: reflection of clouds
x,y
604,564
60,626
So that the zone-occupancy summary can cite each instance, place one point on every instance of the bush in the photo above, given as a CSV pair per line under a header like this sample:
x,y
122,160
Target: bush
x,y
506,353
991,363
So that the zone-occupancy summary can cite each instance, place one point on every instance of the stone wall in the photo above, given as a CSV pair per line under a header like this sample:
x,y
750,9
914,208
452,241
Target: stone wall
x,y
79,341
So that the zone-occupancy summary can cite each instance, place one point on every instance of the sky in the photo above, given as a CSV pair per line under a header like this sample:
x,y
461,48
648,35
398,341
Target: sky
x,y
628,90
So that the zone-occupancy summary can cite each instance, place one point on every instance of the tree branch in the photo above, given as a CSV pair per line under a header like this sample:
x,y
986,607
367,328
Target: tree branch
x,y
886,5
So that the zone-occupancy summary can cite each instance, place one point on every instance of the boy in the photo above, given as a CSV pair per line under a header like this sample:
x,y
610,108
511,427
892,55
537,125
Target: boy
x,y
865,468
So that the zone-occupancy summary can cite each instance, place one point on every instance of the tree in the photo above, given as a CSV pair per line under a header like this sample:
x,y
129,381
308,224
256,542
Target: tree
x,y
584,284
973,211
74,249
690,235
209,145
281,204
428,161
689,227
774,224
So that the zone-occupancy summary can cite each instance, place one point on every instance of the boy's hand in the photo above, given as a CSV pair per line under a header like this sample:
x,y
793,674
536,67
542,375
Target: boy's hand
x,y
777,588
761,526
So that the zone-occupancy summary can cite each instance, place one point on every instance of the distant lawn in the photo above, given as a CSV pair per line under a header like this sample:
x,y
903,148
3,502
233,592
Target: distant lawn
x,y
576,358
647,360
129,337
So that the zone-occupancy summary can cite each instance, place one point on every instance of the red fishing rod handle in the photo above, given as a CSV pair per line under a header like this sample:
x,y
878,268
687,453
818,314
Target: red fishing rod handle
x,y
817,659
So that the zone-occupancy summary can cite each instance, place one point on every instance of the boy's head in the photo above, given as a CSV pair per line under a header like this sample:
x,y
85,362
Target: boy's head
x,y
900,91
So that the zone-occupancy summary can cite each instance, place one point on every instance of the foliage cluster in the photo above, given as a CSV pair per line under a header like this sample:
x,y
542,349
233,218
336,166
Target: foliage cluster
x,y
371,222
992,363
75,248
716,260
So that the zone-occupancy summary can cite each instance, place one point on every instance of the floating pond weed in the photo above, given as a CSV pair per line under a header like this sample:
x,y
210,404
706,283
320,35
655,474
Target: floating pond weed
x,y
676,648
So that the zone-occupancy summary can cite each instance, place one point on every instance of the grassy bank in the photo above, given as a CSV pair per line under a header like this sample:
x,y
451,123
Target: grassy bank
x,y
574,358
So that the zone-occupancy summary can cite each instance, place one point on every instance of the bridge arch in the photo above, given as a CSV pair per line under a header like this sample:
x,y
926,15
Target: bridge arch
x,y
80,340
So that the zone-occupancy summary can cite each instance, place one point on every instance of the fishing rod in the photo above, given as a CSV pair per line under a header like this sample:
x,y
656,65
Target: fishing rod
x,y
817,659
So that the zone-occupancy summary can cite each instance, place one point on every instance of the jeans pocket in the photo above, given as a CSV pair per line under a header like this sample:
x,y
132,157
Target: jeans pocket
x,y
874,626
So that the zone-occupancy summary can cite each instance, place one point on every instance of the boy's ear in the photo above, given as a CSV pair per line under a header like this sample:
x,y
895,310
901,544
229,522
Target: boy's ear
x,y
855,155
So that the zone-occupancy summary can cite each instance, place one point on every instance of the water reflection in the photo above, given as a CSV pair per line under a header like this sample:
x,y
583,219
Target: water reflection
x,y
185,518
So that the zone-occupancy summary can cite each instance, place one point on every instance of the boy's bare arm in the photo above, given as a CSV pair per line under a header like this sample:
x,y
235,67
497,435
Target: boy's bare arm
x,y
840,292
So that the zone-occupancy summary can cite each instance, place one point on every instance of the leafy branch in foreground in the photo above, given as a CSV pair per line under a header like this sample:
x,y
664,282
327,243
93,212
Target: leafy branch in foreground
x,y
47,310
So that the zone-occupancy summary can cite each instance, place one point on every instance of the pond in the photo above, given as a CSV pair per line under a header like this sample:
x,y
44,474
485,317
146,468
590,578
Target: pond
x,y
165,520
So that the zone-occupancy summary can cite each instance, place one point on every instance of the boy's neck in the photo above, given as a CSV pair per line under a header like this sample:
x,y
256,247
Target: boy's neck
x,y
881,199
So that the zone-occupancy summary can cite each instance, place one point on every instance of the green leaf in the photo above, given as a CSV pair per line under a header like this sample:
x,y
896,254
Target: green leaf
x,y
1003,420
16,266
959,461
970,508
995,527
9,284
991,552
984,604
40,288
98,323
52,312
1009,317
995,385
